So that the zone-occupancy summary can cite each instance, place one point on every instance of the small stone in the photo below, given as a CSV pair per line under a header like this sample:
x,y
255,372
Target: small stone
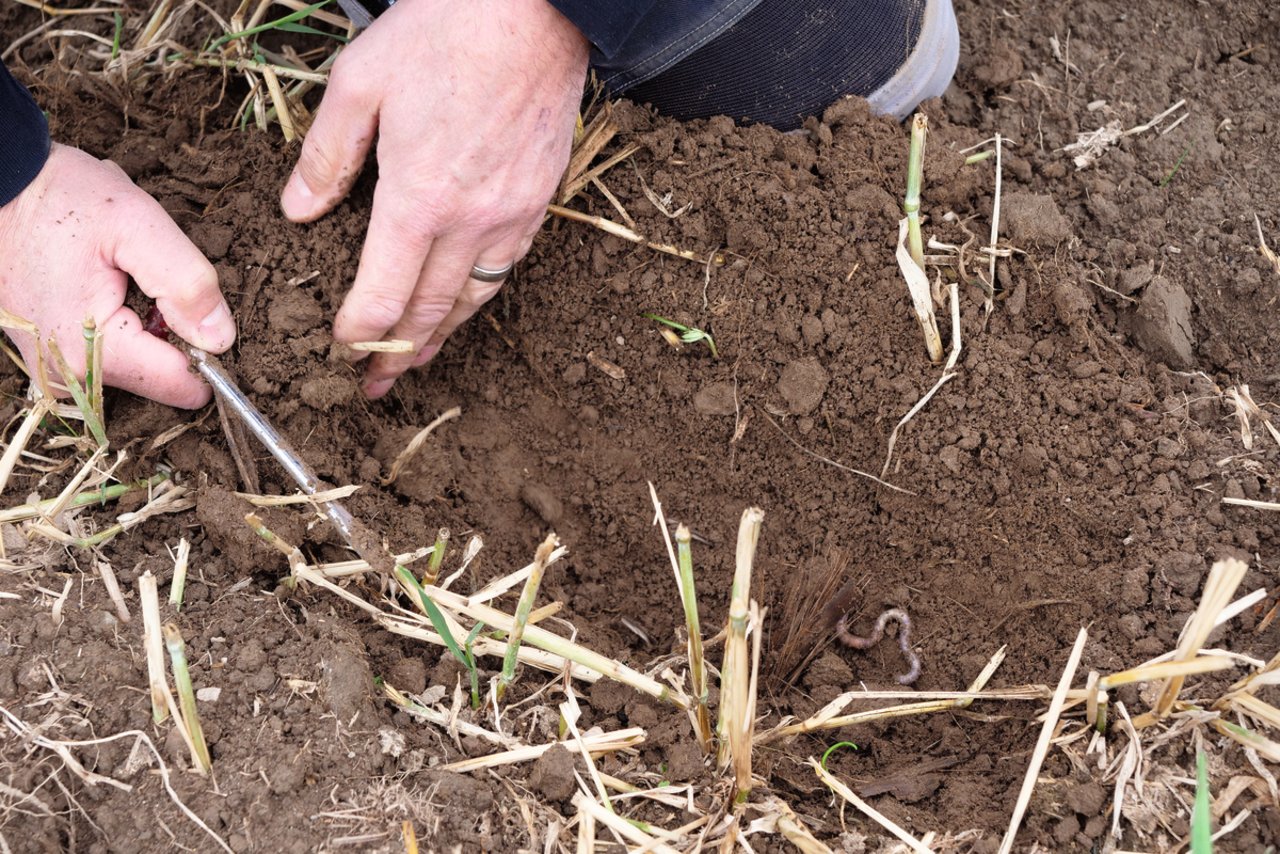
x,y
324,393
408,674
684,762
811,330
1086,370
829,669
250,655
208,695
1163,323
294,311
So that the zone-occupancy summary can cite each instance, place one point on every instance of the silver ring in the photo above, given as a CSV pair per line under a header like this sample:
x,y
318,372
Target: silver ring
x,y
483,274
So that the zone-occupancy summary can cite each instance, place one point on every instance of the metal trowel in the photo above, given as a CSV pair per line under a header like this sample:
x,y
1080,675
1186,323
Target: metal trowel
x,y
229,395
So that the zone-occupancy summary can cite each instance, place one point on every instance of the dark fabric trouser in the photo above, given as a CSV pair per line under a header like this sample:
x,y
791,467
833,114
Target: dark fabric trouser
x,y
784,60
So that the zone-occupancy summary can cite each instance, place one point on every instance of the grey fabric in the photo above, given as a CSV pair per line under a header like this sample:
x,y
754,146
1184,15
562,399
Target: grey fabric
x,y
785,60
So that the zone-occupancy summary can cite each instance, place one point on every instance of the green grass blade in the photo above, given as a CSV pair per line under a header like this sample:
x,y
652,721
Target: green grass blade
x,y
433,614
311,31
1201,820
269,25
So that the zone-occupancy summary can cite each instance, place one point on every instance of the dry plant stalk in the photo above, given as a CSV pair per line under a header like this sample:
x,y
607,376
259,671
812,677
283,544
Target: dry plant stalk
x,y
112,586
948,372
921,295
829,717
153,641
737,699
1224,578
402,458
621,826
618,230
793,830
393,345
1267,251
1042,743
866,809
190,720
682,564
553,652
697,666
179,583
540,560
321,497
292,553
98,495
596,743
21,437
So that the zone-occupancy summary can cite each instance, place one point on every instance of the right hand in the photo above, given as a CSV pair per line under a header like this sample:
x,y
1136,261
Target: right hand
x,y
474,106
69,243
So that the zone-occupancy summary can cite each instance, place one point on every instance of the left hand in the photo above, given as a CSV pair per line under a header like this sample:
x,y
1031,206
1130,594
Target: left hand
x,y
474,104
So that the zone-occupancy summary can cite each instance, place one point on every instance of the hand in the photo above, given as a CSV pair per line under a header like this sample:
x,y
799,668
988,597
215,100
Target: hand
x,y
69,243
474,104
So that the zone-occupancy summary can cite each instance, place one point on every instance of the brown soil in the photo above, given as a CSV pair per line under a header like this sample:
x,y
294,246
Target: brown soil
x,y
1070,475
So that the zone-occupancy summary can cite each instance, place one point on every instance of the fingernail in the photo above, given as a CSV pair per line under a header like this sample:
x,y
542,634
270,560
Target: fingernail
x,y
377,388
297,201
217,330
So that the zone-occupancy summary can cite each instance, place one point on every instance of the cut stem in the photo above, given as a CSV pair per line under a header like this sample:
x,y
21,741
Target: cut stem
x,y
93,371
736,701
153,640
527,597
91,419
179,573
697,667
187,697
915,176
437,557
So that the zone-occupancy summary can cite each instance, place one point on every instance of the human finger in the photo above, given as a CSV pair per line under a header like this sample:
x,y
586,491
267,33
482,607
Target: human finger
x,y
444,277
333,151
391,265
474,294
168,267
137,361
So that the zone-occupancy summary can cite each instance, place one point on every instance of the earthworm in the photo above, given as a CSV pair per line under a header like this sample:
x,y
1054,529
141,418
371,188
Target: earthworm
x,y
904,640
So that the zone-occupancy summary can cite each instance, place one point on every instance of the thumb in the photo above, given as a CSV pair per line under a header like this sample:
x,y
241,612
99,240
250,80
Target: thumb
x,y
332,153
171,270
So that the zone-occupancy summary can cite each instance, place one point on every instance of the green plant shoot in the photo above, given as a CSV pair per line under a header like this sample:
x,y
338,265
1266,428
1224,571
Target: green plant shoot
x,y
1201,826
826,754
438,622
688,334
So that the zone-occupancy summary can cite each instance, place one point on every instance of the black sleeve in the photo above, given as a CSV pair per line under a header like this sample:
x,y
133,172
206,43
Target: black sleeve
x,y
605,23
24,137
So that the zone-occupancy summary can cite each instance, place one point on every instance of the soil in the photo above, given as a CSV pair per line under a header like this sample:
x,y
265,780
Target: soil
x,y
1069,475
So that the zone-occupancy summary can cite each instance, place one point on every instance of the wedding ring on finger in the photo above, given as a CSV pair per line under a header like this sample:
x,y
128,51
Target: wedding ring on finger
x,y
485,274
